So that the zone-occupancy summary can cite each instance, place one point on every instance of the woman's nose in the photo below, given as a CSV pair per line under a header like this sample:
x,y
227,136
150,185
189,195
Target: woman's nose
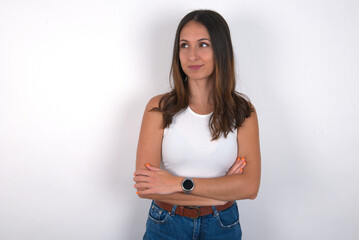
x,y
193,54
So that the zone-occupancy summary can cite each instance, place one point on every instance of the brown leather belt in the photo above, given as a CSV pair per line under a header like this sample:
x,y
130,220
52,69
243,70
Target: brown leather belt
x,y
193,212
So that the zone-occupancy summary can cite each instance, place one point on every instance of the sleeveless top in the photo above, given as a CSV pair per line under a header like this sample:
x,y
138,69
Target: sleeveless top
x,y
187,149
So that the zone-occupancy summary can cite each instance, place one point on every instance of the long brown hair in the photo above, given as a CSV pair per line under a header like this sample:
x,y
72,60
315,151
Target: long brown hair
x,y
231,108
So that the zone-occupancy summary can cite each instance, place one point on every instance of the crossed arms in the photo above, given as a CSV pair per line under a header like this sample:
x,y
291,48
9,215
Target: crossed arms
x,y
158,184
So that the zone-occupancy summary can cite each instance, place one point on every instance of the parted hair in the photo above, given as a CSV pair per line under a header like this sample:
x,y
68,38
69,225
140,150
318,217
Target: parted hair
x,y
231,108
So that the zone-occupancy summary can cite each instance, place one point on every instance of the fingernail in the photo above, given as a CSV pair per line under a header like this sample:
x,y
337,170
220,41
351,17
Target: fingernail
x,y
148,165
136,192
243,158
244,162
240,171
238,158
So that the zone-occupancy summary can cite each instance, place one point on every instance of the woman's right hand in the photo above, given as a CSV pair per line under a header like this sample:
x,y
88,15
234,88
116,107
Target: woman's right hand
x,y
237,167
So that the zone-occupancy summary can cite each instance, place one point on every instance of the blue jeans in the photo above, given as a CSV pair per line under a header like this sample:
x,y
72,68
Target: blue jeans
x,y
168,226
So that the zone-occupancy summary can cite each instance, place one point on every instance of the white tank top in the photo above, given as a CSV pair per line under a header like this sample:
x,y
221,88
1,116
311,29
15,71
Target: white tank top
x,y
187,149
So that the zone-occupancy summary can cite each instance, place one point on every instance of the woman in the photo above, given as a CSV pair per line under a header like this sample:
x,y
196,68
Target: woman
x,y
204,133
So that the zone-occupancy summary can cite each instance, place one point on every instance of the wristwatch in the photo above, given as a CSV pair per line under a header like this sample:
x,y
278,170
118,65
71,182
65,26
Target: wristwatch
x,y
188,185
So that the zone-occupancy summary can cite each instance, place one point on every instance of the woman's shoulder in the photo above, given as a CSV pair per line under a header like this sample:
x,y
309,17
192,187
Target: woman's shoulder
x,y
155,100
252,108
152,118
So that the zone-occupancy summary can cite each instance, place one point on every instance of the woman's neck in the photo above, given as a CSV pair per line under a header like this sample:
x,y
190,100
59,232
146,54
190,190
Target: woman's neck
x,y
200,94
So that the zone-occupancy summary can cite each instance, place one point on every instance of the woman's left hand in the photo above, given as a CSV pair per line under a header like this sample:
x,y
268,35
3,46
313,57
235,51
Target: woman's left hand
x,y
156,181
237,167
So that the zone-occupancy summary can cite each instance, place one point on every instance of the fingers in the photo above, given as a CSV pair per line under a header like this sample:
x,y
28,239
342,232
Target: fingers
x,y
242,163
152,168
142,185
237,167
147,172
140,188
141,182
233,168
239,170
159,181
141,178
144,189
143,173
139,192
145,192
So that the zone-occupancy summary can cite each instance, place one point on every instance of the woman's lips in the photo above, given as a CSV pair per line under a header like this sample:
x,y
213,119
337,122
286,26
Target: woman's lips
x,y
195,67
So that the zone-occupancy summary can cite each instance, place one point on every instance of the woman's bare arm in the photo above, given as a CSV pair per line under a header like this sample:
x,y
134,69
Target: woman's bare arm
x,y
184,199
153,182
150,139
243,186
149,152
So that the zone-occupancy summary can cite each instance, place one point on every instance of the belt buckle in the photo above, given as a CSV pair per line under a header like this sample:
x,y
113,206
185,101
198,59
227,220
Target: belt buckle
x,y
198,211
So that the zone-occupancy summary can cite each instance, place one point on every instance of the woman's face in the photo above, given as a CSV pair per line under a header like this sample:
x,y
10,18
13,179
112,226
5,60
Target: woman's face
x,y
196,54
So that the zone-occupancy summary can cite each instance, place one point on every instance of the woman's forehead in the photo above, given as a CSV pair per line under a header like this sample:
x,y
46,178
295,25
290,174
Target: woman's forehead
x,y
194,31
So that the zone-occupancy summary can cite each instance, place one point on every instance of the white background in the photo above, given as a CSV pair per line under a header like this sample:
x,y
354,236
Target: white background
x,y
75,77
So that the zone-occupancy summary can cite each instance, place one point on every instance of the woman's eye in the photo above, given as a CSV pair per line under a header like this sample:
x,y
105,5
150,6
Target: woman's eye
x,y
184,45
203,45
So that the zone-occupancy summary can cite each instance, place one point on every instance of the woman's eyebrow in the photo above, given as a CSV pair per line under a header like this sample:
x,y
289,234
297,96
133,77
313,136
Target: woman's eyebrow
x,y
201,39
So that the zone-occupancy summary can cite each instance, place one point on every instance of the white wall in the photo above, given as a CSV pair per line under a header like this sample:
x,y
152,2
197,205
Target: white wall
x,y
76,75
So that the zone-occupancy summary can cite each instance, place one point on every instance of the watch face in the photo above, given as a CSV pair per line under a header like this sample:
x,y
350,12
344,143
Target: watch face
x,y
188,184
